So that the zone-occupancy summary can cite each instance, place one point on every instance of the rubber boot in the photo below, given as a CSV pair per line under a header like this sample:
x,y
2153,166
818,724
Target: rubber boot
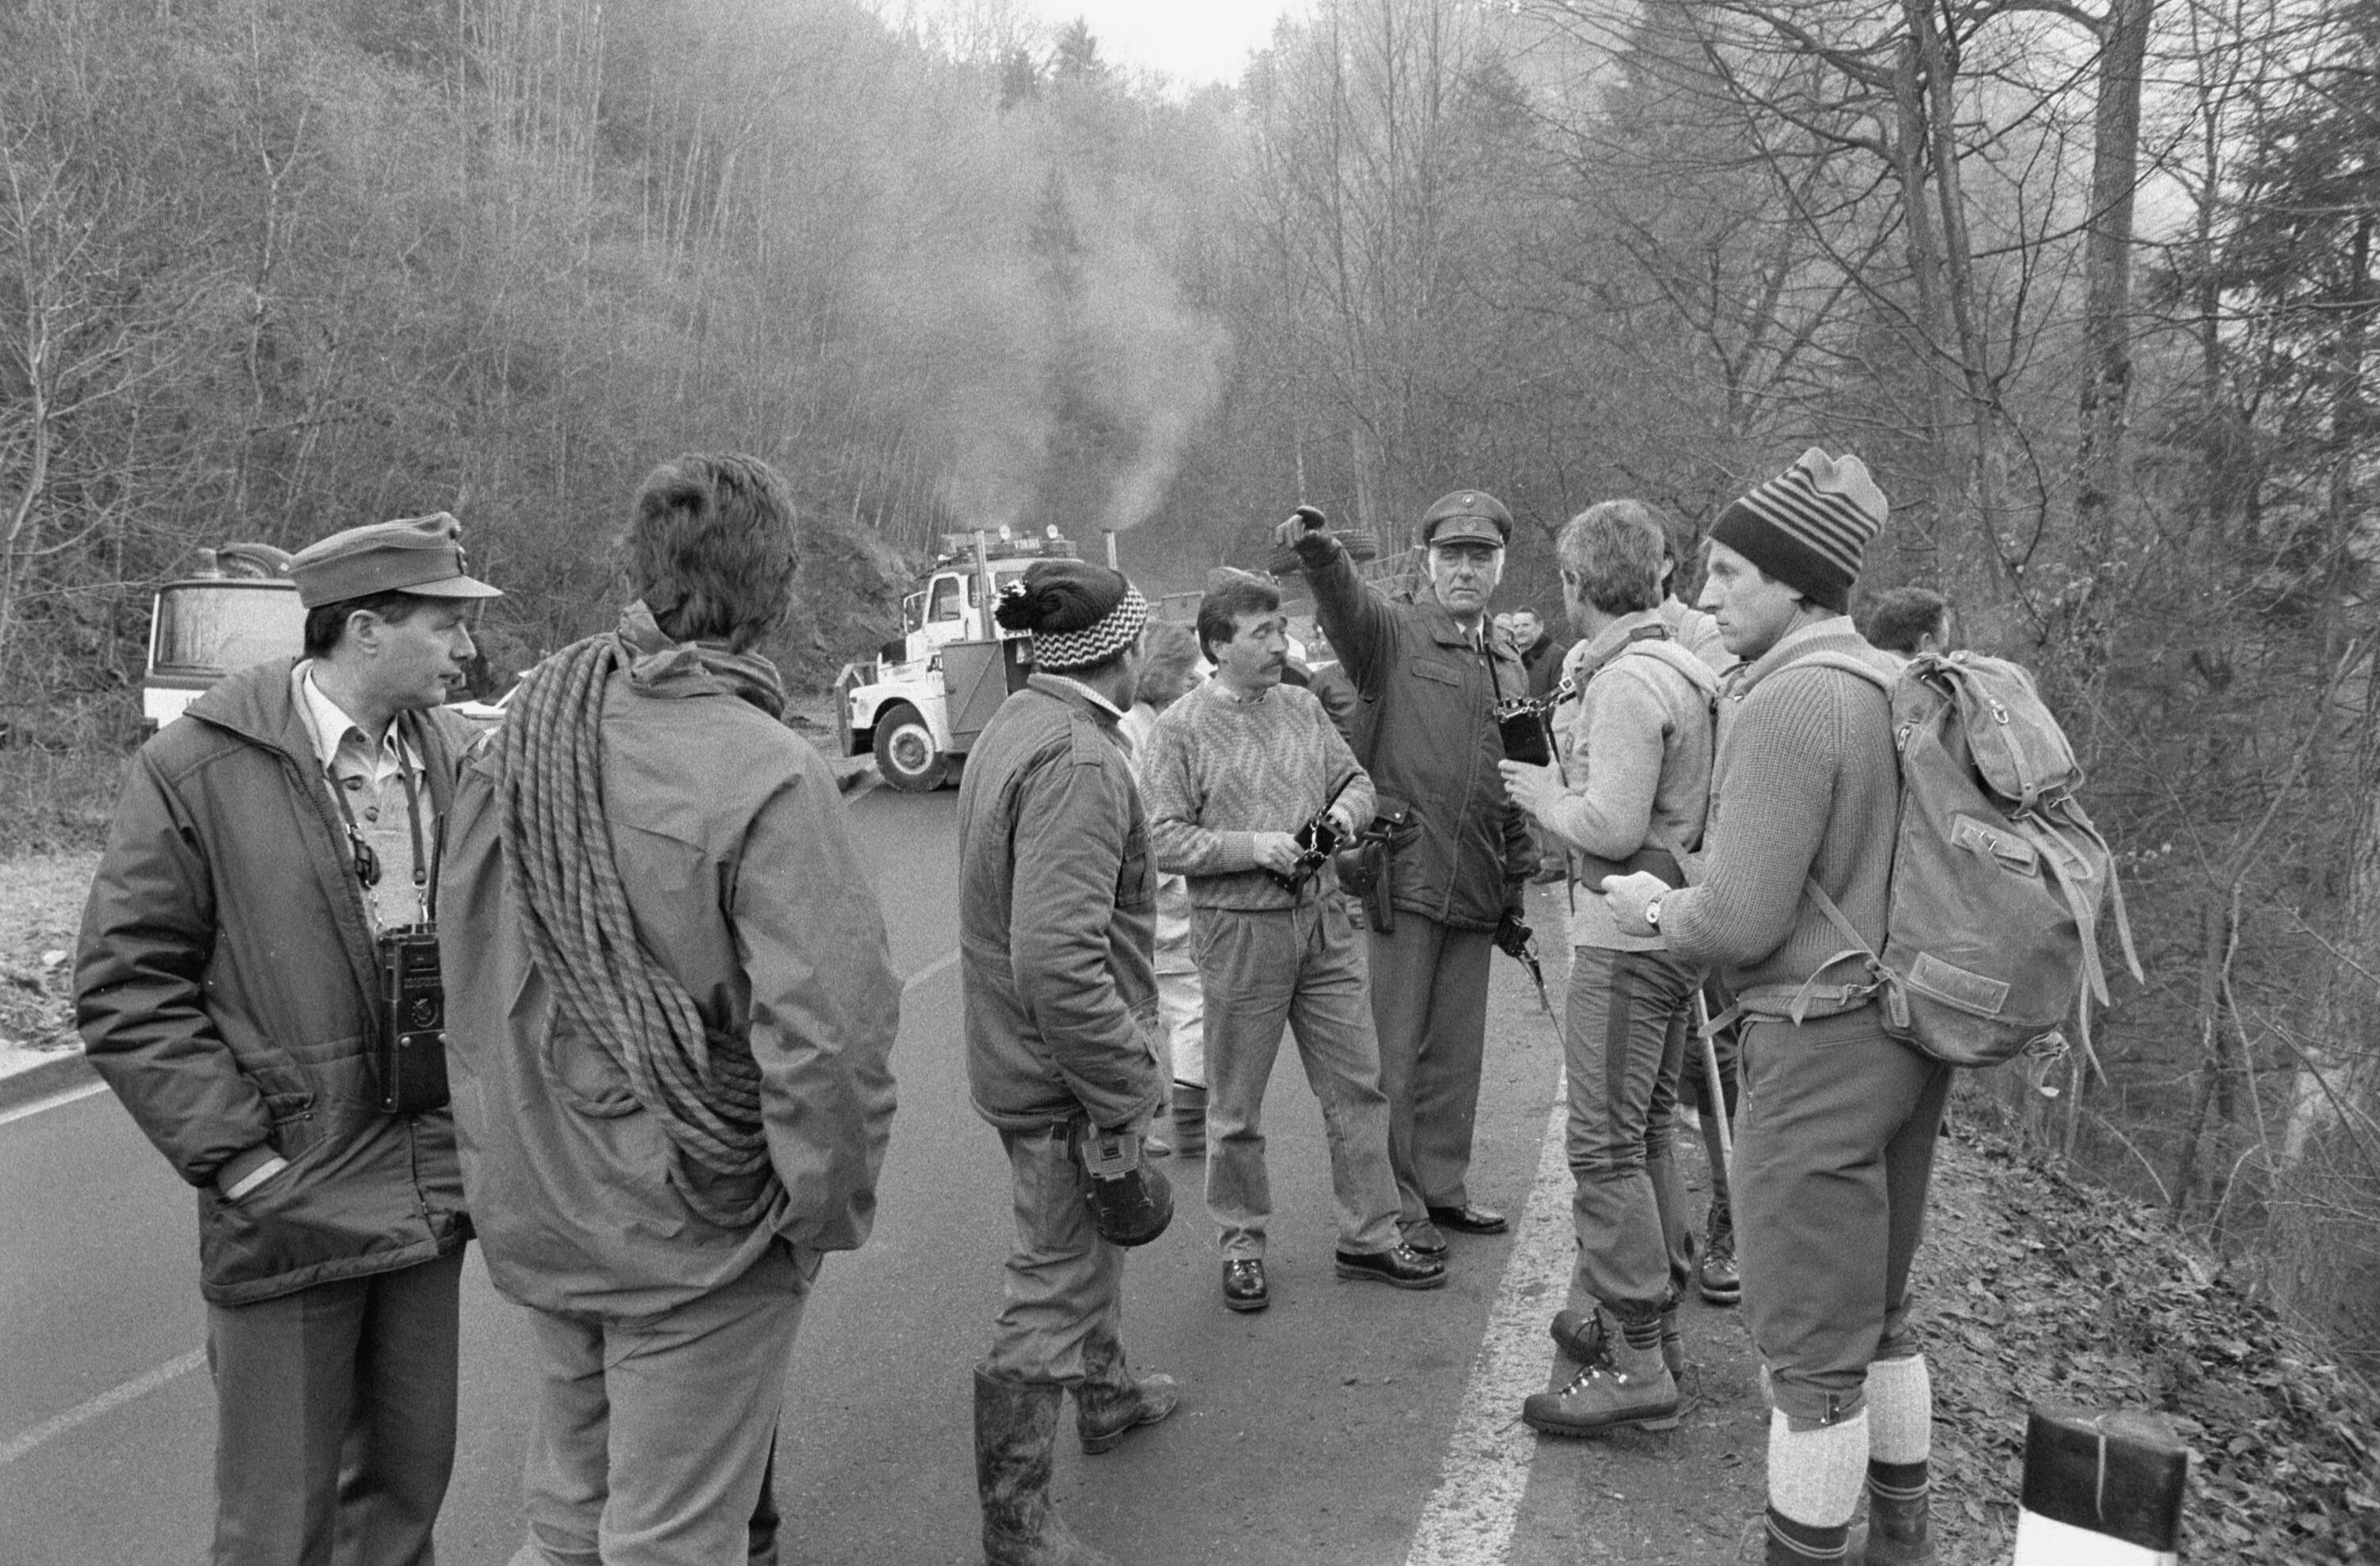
x,y
1015,1431
1631,1387
1189,1121
1110,1402
1899,1526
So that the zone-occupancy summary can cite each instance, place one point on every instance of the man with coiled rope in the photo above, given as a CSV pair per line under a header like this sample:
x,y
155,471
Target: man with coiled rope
x,y
671,1003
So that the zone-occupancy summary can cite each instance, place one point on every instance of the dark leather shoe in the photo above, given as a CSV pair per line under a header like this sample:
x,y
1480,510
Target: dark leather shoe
x,y
1426,1250
1467,1220
1243,1284
1399,1266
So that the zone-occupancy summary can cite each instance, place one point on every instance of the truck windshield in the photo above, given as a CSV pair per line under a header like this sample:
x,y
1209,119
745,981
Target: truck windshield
x,y
215,627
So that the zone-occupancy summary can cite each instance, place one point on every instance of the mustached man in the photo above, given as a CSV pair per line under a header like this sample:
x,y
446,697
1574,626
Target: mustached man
x,y
1838,1119
1235,768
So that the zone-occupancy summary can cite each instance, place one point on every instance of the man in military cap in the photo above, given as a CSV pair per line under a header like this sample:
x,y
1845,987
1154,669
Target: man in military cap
x,y
228,987
1430,671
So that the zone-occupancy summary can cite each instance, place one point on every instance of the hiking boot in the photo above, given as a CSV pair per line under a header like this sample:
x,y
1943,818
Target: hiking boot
x,y
1106,1413
1717,1277
1631,1387
1015,1429
1579,1335
1189,1121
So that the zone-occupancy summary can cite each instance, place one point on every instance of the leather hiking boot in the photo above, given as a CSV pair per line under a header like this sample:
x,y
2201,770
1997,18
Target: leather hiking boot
x,y
1189,1121
1243,1284
1399,1267
1105,1414
1015,1431
1579,1335
1716,1274
1631,1390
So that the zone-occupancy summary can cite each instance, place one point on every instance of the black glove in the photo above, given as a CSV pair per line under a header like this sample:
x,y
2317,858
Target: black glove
x,y
1130,1203
1514,937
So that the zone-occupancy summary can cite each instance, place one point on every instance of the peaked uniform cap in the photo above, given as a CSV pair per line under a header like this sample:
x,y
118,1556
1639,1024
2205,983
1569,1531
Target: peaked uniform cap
x,y
1809,526
415,555
1472,515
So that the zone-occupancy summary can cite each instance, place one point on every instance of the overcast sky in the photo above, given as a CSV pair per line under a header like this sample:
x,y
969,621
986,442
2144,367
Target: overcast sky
x,y
1191,40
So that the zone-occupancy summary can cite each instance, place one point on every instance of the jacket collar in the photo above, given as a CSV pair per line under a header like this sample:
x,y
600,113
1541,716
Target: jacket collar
x,y
259,704
1074,693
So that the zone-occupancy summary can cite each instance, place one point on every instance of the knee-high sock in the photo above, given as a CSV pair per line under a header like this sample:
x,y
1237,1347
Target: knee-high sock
x,y
1900,1411
1814,1476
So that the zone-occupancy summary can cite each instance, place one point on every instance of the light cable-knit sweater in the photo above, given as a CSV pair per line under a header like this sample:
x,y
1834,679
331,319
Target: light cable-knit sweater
x,y
1807,785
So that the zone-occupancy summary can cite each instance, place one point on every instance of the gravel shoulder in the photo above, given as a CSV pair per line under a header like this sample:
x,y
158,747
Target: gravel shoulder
x,y
40,905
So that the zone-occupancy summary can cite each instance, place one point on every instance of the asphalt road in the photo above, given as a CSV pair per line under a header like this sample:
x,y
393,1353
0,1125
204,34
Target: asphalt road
x,y
1318,1431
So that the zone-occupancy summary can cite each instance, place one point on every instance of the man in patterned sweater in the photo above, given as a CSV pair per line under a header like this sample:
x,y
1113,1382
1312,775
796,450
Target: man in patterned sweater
x,y
1838,1117
1234,769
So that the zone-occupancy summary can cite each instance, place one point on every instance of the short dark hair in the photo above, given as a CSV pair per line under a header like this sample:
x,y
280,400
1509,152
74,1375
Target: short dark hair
x,y
1900,619
1614,552
1219,610
710,548
326,622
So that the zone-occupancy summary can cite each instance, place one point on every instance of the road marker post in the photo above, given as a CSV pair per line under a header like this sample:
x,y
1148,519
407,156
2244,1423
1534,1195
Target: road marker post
x,y
2101,1488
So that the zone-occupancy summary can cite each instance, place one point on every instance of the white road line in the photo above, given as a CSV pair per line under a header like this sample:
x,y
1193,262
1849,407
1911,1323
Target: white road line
x,y
83,1413
55,1100
173,1369
1470,1517
938,965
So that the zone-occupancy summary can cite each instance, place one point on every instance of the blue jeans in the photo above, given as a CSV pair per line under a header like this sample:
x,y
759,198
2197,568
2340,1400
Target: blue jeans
x,y
1625,1041
1264,969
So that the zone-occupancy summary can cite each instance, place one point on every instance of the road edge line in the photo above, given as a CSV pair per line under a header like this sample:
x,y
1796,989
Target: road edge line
x,y
1470,1518
115,1397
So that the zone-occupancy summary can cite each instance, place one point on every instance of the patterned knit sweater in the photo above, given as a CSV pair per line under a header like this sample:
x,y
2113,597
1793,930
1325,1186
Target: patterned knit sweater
x,y
1807,785
1219,770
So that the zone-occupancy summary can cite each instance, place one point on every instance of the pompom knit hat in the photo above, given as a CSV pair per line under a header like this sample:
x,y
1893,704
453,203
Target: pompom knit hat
x,y
1080,615
1809,526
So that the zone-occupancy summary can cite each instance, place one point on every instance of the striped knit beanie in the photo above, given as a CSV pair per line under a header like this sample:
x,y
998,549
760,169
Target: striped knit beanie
x,y
1080,615
1808,527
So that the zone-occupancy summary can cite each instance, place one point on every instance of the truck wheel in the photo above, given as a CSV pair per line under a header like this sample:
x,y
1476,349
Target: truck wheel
x,y
905,751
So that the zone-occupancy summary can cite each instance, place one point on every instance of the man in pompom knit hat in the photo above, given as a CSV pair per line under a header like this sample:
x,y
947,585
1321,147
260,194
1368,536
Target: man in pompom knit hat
x,y
1057,921
1838,1120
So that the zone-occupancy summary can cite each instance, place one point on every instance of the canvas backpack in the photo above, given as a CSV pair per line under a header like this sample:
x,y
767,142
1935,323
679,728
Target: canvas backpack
x,y
1998,878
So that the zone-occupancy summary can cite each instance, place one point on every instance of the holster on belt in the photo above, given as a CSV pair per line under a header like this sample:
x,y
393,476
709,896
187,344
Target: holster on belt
x,y
1369,871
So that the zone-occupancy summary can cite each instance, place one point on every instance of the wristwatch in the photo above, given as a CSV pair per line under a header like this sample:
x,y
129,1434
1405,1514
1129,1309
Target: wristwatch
x,y
1653,912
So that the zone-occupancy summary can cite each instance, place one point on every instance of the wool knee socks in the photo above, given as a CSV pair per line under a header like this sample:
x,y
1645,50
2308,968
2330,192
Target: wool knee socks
x,y
1813,1487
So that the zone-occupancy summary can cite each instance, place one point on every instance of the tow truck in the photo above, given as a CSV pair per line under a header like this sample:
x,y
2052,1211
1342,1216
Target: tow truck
x,y
236,607
919,704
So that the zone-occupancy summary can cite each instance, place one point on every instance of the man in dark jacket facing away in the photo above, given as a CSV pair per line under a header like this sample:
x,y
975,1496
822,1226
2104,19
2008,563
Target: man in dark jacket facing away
x,y
1838,1117
672,1007
1057,919
1430,672
227,987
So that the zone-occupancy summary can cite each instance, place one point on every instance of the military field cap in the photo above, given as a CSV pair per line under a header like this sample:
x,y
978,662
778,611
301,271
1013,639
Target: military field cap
x,y
415,555
1473,515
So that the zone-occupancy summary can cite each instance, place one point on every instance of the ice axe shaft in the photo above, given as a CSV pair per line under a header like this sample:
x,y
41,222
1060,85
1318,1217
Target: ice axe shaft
x,y
1715,1101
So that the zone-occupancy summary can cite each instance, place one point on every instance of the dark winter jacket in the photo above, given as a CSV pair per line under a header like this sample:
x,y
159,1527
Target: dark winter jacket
x,y
1057,915
226,989
1426,730
735,854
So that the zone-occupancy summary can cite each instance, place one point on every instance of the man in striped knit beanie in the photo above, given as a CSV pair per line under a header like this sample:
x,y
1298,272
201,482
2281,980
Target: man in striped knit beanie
x,y
1234,769
1838,1119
